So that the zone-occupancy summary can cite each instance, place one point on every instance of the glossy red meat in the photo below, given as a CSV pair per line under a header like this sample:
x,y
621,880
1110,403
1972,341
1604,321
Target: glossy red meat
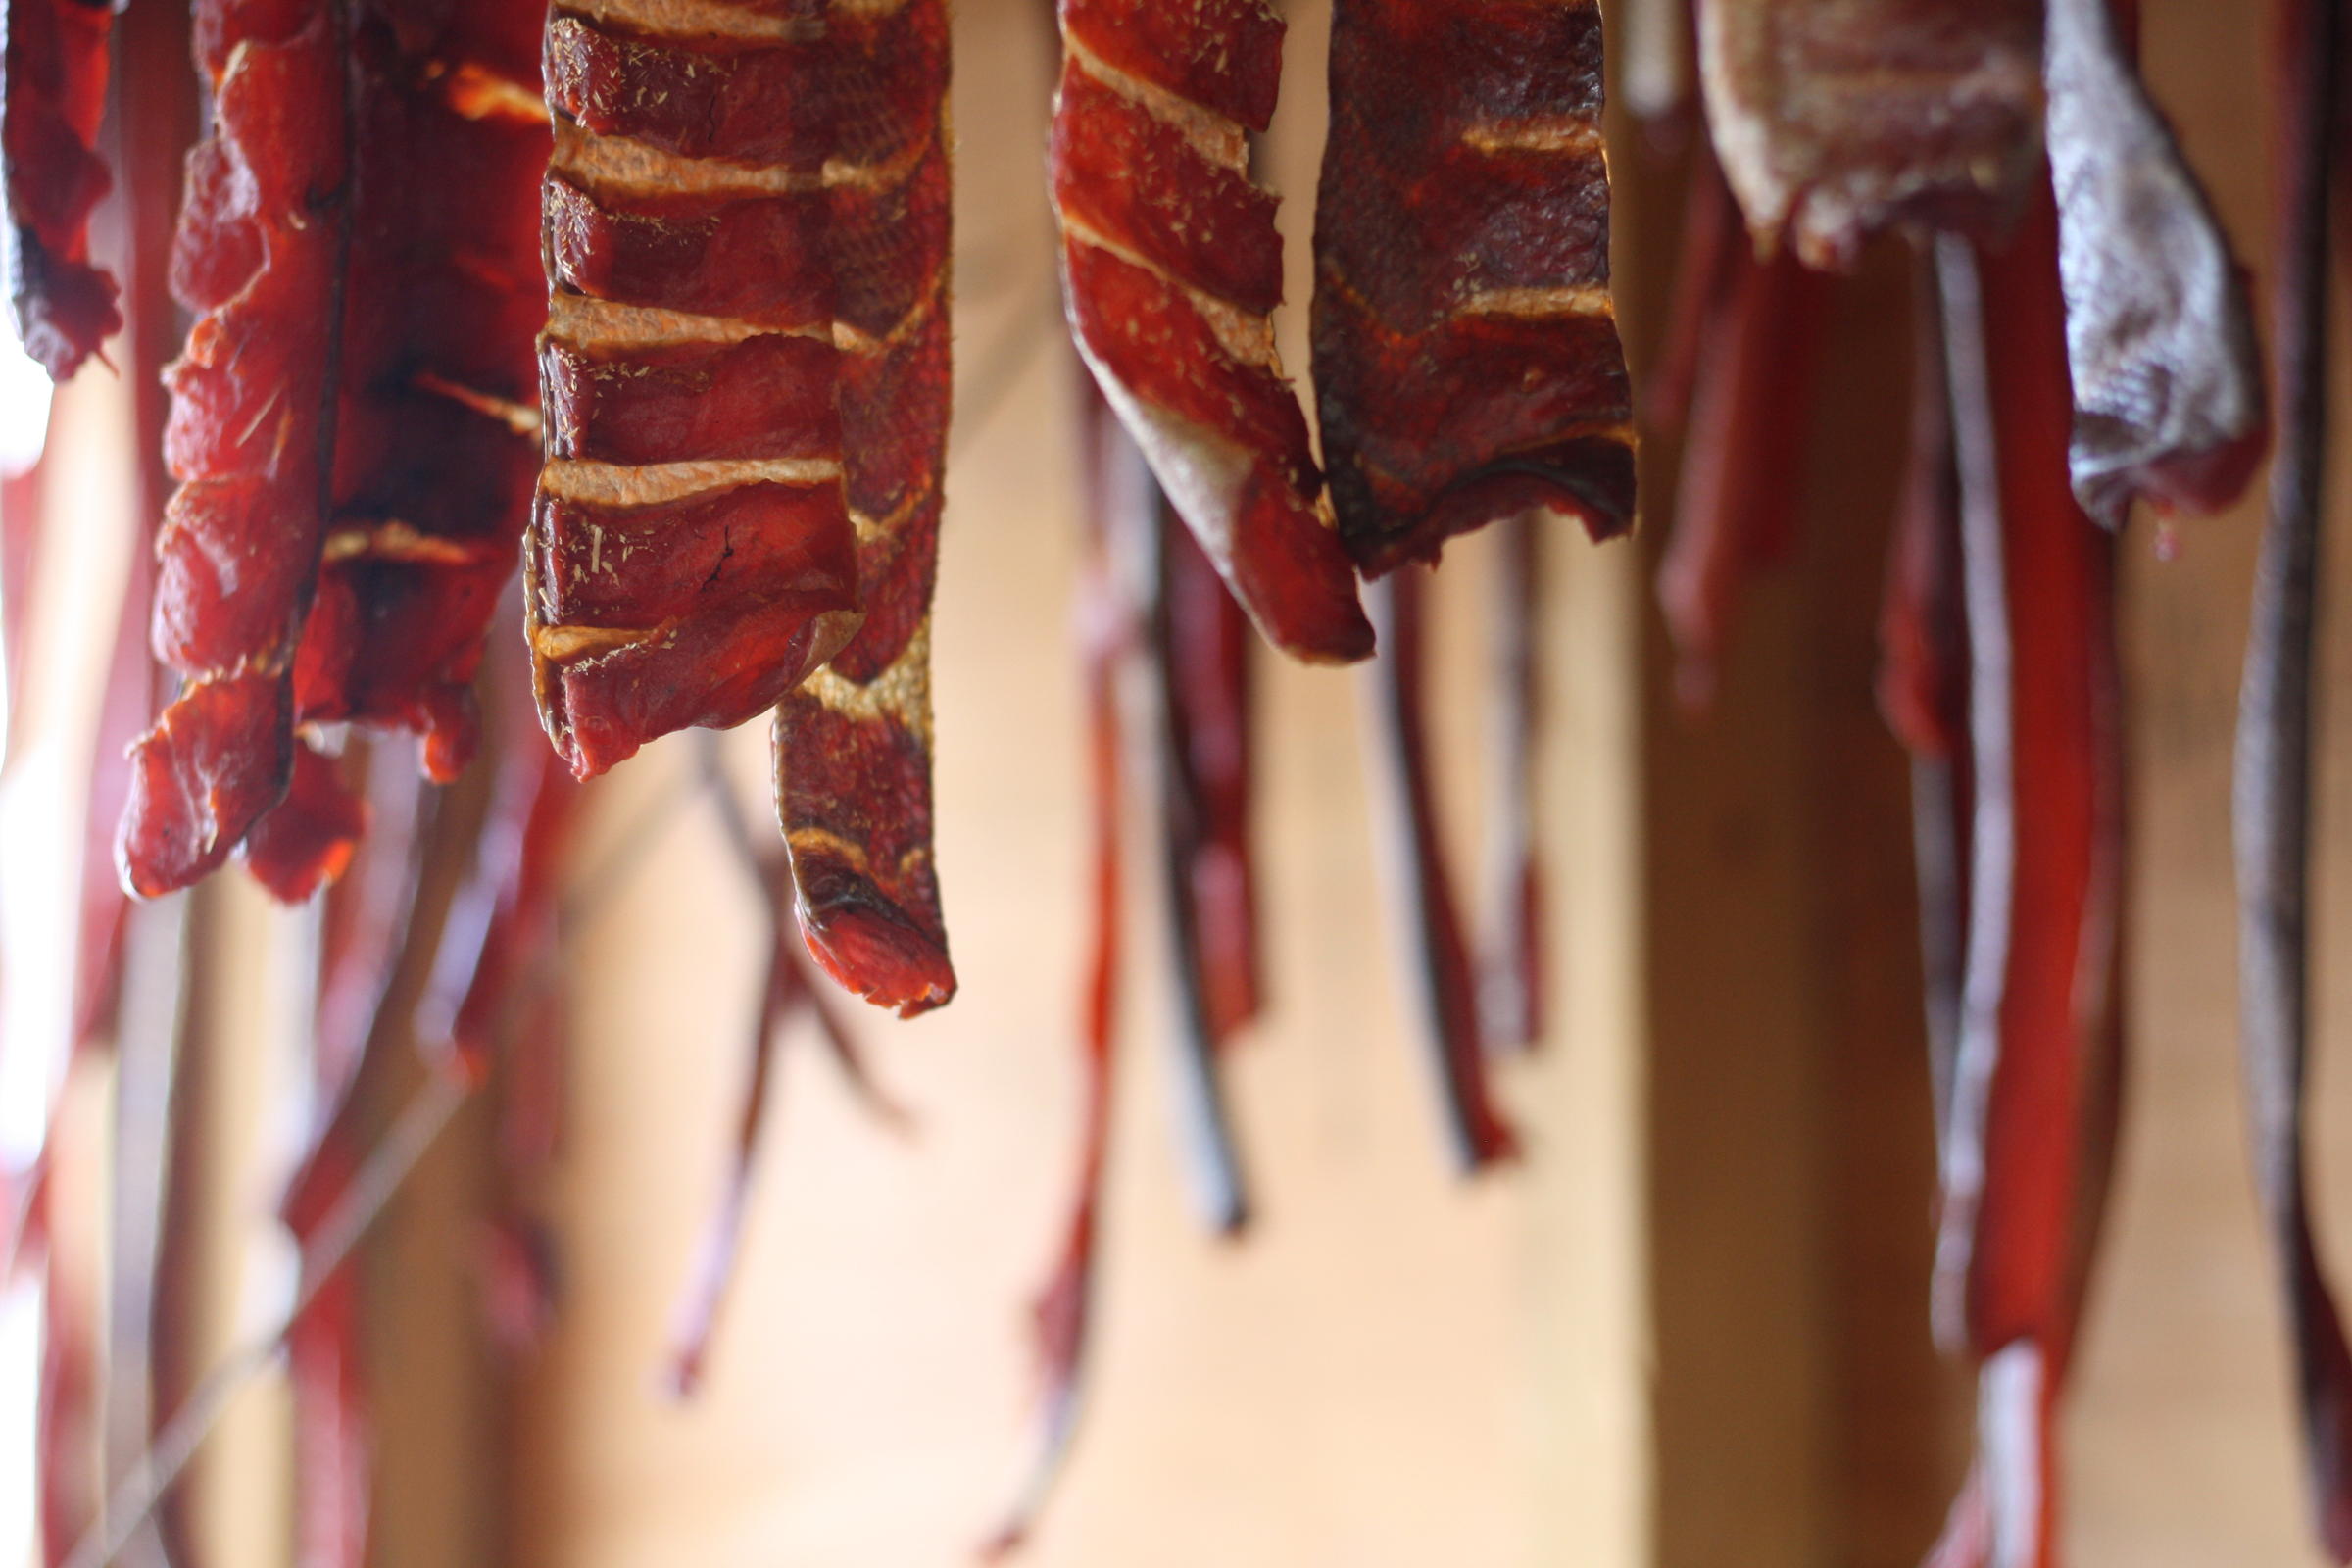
x,y
433,449
2030,1108
55,83
260,251
690,371
351,418
1467,366
1172,264
305,841
852,747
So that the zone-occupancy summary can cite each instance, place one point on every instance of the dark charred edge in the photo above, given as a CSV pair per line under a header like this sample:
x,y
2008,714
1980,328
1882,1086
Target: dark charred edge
x,y
1512,990
1213,1158
2273,778
1476,1135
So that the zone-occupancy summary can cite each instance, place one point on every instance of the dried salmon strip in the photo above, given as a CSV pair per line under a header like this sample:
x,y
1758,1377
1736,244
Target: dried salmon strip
x,y
1921,684
2029,1112
787,991
1441,974
2159,328
434,448
1511,986
1171,268
1735,500
1116,488
1201,645
1836,119
54,85
690,556
2272,784
1467,365
852,746
1204,818
260,254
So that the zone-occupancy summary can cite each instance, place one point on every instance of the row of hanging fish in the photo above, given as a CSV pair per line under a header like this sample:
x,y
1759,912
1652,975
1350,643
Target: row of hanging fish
x,y
652,298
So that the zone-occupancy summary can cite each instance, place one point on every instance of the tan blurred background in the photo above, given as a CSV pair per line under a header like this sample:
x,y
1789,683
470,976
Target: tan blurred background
x,y
1688,1332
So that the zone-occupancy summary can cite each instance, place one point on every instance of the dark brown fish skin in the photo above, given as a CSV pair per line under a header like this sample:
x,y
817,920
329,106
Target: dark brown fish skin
x,y
1466,356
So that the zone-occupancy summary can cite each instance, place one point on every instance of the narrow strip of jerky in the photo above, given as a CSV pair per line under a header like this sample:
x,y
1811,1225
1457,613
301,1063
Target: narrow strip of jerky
x,y
1736,504
1203,655
1511,976
1442,979
1116,485
2273,785
1705,249
787,991
1212,1156
1923,685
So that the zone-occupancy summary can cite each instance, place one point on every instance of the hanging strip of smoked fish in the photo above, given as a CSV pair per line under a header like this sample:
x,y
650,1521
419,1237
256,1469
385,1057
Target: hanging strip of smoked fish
x,y
1923,681
1116,488
2024,1147
1172,268
2271,798
434,449
2159,331
52,98
1835,121
1467,366
1441,976
1735,502
853,748
434,455
259,256
690,556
